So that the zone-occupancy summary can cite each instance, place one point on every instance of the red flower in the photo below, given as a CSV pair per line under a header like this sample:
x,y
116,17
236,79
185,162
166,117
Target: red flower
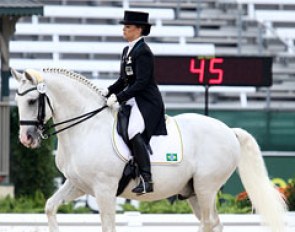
x,y
242,196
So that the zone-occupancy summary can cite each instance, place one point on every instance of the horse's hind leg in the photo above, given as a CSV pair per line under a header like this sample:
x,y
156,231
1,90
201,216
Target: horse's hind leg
x,y
209,218
203,206
67,192
193,201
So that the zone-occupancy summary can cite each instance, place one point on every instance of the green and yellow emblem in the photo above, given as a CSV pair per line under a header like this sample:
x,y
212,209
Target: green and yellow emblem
x,y
171,156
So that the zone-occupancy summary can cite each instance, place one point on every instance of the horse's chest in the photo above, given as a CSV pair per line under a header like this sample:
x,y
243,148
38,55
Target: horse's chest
x,y
77,174
79,181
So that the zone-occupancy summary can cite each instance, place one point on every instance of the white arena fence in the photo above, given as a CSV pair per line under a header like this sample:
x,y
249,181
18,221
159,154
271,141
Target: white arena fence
x,y
134,221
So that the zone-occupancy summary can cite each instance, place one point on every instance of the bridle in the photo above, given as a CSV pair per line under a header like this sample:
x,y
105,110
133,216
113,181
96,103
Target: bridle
x,y
42,129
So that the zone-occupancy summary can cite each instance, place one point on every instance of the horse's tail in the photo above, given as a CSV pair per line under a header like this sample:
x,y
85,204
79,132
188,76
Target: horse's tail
x,y
265,198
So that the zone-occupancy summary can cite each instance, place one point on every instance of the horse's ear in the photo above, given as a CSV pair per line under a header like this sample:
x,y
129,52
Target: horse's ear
x,y
29,77
16,74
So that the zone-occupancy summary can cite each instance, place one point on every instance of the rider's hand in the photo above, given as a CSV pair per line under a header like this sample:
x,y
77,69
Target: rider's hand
x,y
103,92
112,100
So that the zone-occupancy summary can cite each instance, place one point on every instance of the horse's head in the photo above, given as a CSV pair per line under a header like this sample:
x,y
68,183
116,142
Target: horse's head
x,y
33,106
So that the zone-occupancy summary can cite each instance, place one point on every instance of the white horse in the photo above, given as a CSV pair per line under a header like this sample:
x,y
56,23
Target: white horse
x,y
86,157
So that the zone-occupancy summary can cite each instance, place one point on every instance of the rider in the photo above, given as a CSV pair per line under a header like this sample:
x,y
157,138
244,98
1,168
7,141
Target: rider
x,y
137,90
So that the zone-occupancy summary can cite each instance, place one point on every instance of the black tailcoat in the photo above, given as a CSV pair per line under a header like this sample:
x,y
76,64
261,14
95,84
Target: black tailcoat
x,y
137,80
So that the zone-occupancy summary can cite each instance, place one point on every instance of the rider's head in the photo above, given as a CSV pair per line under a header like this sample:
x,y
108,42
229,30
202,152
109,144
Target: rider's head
x,y
135,24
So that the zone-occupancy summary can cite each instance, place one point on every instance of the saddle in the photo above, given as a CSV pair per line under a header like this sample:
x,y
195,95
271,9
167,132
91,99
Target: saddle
x,y
166,149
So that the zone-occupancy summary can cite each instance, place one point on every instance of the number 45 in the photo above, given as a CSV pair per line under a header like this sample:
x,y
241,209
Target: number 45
x,y
212,69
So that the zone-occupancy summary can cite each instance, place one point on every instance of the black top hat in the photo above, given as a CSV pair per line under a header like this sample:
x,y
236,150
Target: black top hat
x,y
137,18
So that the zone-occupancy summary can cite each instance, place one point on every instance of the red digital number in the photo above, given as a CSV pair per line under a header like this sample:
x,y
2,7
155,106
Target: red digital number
x,y
212,69
199,71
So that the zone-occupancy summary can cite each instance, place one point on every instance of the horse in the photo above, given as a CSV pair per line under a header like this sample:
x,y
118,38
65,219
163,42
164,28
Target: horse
x,y
212,151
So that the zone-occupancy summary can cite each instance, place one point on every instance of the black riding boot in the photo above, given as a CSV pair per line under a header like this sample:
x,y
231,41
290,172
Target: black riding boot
x,y
142,158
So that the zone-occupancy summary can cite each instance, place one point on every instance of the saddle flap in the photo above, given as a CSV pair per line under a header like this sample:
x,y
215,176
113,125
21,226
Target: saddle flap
x,y
167,149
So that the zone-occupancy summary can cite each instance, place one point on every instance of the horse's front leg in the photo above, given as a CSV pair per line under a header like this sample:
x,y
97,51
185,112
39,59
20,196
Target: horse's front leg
x,y
106,200
67,192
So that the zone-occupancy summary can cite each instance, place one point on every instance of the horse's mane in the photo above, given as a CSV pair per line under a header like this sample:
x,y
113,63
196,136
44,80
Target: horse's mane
x,y
75,76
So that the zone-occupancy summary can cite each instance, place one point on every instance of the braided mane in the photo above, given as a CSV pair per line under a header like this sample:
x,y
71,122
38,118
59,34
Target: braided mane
x,y
75,76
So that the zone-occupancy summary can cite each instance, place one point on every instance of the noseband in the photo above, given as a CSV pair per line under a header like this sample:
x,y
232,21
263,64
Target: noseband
x,y
39,123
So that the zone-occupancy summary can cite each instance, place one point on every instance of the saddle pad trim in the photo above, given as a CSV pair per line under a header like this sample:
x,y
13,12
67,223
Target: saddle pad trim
x,y
113,139
122,157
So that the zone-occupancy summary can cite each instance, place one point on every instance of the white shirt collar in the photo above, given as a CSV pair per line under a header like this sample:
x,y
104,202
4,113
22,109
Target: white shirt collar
x,y
132,43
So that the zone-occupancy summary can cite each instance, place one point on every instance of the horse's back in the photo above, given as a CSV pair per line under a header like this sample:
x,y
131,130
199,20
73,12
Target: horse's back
x,y
210,144
197,123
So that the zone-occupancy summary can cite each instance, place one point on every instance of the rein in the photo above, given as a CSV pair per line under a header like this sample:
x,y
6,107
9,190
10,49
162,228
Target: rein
x,y
39,123
83,118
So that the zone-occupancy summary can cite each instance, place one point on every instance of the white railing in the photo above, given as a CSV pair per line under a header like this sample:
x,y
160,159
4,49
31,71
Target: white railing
x,y
56,48
134,221
98,12
286,35
99,30
251,4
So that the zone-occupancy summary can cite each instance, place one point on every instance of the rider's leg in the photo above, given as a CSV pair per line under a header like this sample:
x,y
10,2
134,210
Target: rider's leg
x,y
142,158
136,126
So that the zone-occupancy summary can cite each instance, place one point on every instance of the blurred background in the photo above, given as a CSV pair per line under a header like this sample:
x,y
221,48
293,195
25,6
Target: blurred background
x,y
84,36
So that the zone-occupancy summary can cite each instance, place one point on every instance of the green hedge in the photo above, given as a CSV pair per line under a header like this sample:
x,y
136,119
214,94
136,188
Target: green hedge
x,y
34,204
226,204
31,169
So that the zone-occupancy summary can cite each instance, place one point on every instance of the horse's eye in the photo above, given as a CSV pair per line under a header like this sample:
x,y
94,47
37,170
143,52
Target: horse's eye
x,y
32,102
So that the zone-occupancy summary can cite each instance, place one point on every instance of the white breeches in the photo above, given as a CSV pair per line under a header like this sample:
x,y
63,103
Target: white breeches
x,y
136,122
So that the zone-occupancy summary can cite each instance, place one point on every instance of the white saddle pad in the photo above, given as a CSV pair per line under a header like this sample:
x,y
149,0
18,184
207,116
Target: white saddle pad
x,y
167,149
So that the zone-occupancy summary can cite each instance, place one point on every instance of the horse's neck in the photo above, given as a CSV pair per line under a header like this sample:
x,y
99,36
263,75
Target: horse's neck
x,y
70,97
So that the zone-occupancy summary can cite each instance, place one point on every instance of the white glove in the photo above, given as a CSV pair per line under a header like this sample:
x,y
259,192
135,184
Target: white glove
x,y
112,100
103,92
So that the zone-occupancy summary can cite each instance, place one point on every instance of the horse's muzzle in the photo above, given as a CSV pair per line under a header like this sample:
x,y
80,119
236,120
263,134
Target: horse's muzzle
x,y
29,137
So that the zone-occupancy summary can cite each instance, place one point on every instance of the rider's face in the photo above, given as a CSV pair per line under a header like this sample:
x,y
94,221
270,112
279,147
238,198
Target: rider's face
x,y
131,32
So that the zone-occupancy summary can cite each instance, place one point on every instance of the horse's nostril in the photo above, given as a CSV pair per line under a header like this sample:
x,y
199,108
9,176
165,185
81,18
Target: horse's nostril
x,y
29,137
